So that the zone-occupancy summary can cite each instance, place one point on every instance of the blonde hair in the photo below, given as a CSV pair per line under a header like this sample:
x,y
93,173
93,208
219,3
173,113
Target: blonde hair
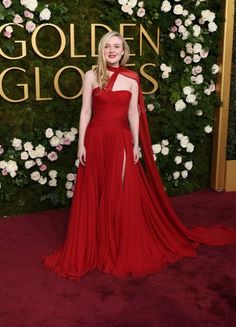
x,y
101,70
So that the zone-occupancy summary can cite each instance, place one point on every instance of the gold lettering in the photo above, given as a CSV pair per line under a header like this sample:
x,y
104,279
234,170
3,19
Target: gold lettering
x,y
37,86
56,82
144,32
149,78
34,41
23,44
93,37
72,43
25,86
122,32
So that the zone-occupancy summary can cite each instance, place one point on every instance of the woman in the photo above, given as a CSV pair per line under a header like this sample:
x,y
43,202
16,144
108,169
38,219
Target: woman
x,y
121,220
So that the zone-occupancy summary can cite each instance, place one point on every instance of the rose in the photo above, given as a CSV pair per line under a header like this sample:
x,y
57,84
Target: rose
x,y
30,4
171,36
188,165
179,136
17,143
28,14
11,166
70,177
178,10
164,150
74,130
52,182
188,90
24,155
204,53
166,6
49,133
150,107
176,174
196,58
59,147
55,141
35,176
122,2
190,98
45,14
199,79
182,54
156,148
215,69
40,151
17,19
184,173
52,156
208,129
1,150
141,12
212,27
182,29
43,167
6,3
208,15
165,74
77,162
180,105
68,185
174,29
29,164
184,141
30,26
42,180
164,142
212,86
141,3
207,91
187,22
196,30
187,60
69,194
199,112
178,22
185,12
70,136
132,3
190,147
197,47
52,174
28,146
7,34
191,16
178,160
196,70
185,35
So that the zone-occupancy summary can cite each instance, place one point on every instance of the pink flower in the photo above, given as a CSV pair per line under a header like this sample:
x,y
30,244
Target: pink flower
x,y
30,26
173,29
28,14
1,150
52,156
17,19
141,12
43,167
6,3
66,141
7,34
59,147
4,172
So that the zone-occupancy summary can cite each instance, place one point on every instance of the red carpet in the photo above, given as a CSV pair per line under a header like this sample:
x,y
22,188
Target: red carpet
x,y
197,292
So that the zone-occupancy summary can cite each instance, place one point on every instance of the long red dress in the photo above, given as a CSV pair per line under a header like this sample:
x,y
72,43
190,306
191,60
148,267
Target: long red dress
x,y
123,226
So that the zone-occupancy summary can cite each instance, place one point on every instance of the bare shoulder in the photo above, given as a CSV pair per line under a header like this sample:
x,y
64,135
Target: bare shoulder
x,y
90,75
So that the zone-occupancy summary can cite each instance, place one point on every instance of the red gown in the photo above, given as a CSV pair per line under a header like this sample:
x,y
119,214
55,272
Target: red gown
x,y
123,226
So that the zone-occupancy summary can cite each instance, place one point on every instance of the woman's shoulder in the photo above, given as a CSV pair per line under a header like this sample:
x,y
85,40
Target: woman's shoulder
x,y
132,74
90,73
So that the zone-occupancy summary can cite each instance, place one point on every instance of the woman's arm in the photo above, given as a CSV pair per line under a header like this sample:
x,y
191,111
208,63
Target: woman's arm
x,y
85,114
133,116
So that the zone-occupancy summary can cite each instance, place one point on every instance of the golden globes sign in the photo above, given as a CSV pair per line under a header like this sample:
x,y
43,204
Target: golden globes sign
x,y
23,51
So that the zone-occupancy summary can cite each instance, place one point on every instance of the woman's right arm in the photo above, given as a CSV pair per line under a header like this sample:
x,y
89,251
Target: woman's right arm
x,y
85,114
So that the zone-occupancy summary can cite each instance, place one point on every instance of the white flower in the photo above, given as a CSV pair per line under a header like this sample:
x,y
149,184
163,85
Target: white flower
x,y
180,105
184,141
42,180
70,177
208,129
208,15
29,164
28,146
199,112
141,4
70,136
69,194
17,143
52,156
164,142
165,74
40,151
30,4
9,29
17,19
184,173
164,150
215,69
45,14
199,79
172,36
178,160
166,6
187,22
141,12
122,2
196,70
179,136
212,27
190,98
197,47
38,161
190,147
52,182
30,26
74,130
182,29
3,164
178,10
196,58
187,60
77,162
178,22
185,12
185,35
35,176
68,185
132,3
176,174
212,86
32,154
192,17
182,54
52,174
207,91
156,148
188,90
196,30
150,107
24,155
49,133
188,165
54,141
11,166
6,3
204,53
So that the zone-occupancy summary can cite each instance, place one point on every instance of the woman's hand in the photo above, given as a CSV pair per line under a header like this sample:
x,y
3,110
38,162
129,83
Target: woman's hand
x,y
136,153
82,154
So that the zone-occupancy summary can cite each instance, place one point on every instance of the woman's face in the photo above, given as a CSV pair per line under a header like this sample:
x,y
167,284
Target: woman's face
x,y
113,50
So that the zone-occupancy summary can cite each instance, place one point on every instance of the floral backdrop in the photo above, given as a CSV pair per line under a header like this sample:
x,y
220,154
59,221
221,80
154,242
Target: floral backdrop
x,y
38,141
